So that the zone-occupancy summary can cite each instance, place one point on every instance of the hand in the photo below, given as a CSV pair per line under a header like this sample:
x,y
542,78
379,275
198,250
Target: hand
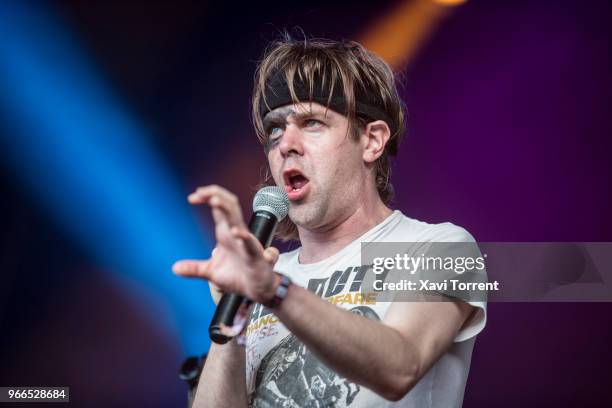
x,y
239,264
215,293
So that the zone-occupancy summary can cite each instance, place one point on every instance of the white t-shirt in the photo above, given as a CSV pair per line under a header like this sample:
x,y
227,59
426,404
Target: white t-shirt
x,y
282,372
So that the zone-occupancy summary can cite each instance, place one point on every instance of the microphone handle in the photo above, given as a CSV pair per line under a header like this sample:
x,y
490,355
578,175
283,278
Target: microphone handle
x,y
262,225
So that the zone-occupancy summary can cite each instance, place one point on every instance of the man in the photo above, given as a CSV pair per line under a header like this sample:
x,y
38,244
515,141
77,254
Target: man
x,y
329,116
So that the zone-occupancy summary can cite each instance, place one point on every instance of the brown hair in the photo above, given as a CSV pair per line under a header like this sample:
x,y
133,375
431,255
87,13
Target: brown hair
x,y
345,63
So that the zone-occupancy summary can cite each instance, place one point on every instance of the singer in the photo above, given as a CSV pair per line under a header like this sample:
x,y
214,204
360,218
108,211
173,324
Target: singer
x,y
329,117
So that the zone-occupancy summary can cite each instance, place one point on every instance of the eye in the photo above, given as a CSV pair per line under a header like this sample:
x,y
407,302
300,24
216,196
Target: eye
x,y
274,135
313,124
274,131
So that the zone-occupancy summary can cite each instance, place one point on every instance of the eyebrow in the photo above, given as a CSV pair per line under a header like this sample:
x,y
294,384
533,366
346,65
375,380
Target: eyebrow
x,y
278,115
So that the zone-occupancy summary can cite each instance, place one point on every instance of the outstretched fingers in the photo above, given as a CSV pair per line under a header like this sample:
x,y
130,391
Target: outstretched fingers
x,y
219,198
252,246
191,268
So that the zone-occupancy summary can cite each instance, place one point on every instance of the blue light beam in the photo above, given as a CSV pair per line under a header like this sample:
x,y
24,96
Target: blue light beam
x,y
92,168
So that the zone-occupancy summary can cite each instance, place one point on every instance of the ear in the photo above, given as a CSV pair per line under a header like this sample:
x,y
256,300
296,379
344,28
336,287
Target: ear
x,y
375,137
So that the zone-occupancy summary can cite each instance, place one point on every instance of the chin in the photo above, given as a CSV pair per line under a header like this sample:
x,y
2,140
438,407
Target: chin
x,y
300,213
298,216
308,216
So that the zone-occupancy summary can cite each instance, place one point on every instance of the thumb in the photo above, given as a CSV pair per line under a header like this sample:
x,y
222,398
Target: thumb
x,y
191,268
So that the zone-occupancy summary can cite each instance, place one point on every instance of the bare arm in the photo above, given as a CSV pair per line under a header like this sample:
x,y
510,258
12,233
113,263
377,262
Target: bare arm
x,y
388,357
223,379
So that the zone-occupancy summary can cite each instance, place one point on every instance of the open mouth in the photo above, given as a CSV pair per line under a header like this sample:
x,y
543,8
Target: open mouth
x,y
294,179
295,182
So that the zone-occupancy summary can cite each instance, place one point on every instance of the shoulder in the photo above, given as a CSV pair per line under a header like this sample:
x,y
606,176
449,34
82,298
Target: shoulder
x,y
457,242
411,229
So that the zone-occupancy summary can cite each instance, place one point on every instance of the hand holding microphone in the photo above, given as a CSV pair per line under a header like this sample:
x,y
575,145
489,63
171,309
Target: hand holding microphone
x,y
240,266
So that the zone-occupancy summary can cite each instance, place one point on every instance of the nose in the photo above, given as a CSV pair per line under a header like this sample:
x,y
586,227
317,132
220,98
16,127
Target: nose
x,y
291,141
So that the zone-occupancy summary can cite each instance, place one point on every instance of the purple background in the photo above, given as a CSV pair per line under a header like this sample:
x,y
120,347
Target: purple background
x,y
508,136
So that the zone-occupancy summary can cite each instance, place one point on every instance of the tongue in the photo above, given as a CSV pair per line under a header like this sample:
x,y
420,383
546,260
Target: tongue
x,y
298,182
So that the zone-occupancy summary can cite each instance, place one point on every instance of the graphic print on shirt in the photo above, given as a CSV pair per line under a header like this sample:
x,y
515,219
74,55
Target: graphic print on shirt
x,y
343,287
291,376
281,372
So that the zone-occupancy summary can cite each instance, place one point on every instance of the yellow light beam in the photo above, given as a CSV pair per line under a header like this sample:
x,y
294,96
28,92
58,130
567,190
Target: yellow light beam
x,y
397,36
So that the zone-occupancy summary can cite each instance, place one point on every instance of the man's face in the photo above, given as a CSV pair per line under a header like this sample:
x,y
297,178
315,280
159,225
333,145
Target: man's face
x,y
313,157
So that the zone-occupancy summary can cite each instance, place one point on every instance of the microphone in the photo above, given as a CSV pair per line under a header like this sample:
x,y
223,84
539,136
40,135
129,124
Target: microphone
x,y
270,206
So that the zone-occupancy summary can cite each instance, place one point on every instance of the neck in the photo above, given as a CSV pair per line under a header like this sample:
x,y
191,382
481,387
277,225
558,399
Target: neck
x,y
322,243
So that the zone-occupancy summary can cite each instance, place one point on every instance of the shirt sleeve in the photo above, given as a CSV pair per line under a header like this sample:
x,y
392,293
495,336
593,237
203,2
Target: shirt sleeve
x,y
448,232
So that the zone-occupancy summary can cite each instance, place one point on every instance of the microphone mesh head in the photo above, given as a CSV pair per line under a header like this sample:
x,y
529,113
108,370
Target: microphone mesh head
x,y
272,199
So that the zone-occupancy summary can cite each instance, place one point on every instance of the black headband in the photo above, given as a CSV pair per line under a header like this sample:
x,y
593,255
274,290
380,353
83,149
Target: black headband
x,y
366,104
